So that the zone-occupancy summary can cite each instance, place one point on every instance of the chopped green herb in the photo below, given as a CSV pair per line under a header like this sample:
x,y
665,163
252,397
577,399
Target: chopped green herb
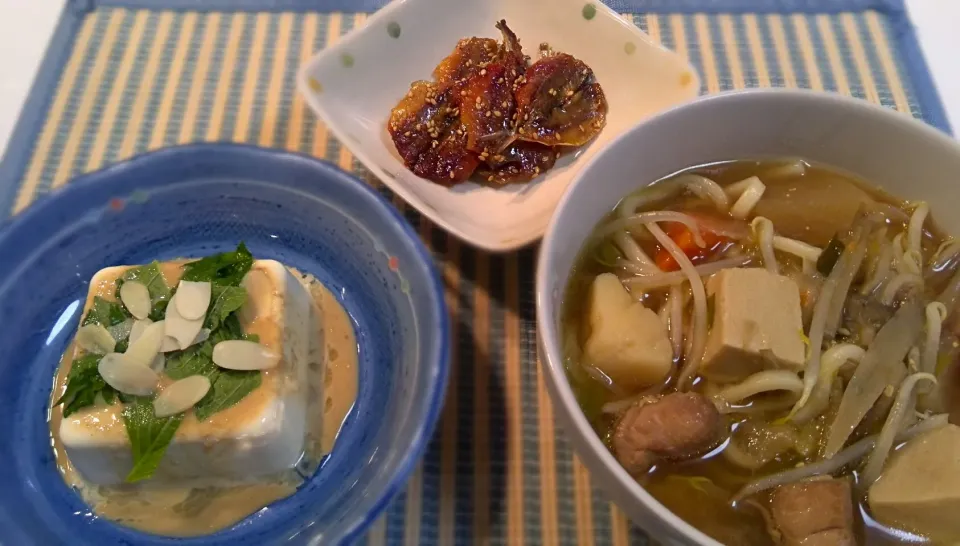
x,y
83,385
105,313
828,258
149,437
228,388
196,360
227,268
224,300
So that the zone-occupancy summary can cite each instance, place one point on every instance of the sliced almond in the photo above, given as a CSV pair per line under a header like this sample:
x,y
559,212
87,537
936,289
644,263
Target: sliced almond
x,y
136,298
182,329
169,344
237,354
193,298
95,338
181,395
159,363
127,378
145,348
137,329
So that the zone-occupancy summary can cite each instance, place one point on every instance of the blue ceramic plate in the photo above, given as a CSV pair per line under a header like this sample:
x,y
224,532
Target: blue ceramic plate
x,y
198,200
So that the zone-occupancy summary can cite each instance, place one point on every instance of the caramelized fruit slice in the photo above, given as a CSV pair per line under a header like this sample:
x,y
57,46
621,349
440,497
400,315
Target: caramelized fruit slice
x,y
488,105
429,135
470,55
520,162
560,102
488,109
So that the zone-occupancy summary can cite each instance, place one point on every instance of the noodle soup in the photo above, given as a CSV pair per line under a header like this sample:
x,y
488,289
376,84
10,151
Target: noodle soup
x,y
767,347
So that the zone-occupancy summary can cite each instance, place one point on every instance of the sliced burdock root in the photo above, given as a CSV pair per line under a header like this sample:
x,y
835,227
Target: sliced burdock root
x,y
429,135
520,162
560,103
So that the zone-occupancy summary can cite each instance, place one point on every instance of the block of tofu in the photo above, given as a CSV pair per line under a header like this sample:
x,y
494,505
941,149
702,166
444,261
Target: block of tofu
x,y
261,435
919,489
756,324
627,342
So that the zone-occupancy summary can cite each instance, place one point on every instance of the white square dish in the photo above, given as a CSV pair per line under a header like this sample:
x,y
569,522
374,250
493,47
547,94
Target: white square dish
x,y
353,85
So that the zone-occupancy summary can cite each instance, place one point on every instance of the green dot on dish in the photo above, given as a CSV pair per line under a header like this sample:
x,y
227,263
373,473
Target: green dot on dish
x,y
347,60
629,48
393,29
589,11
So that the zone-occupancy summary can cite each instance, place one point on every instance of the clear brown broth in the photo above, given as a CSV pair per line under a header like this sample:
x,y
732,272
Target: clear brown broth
x,y
704,503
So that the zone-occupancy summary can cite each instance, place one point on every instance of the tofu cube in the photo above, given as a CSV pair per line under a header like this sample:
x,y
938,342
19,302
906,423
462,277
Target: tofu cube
x,y
261,435
919,489
756,324
627,341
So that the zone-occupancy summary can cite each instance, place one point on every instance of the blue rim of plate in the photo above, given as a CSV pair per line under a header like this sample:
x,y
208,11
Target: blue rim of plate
x,y
108,184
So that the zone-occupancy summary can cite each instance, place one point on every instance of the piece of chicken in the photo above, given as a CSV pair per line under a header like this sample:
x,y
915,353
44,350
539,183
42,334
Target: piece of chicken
x,y
814,513
675,427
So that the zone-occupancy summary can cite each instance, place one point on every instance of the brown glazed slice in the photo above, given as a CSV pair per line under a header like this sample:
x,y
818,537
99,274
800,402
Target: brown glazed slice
x,y
470,55
560,102
520,162
488,104
426,129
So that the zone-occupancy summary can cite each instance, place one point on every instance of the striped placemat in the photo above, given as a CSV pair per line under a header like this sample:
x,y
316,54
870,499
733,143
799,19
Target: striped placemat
x,y
123,77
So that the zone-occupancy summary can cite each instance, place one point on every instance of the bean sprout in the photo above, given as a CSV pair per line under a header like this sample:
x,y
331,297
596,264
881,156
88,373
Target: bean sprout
x,y
699,334
675,301
830,363
636,221
763,230
797,248
817,324
936,313
905,260
915,227
632,250
749,198
902,407
705,188
897,283
672,278
765,381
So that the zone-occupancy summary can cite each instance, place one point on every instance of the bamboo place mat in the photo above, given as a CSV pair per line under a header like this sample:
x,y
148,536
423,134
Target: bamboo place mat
x,y
123,77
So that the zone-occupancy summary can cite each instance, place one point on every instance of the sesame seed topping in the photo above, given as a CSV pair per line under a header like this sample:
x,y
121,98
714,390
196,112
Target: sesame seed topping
x,y
553,91
434,144
503,104
569,92
452,175
490,178
497,113
406,133
487,114
463,93
483,72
